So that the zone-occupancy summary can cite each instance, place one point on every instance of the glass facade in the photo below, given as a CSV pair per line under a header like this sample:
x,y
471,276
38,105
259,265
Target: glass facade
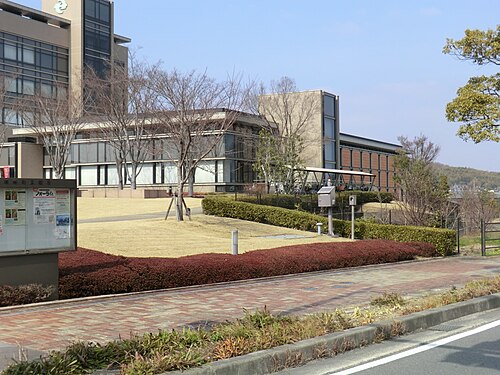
x,y
91,161
330,132
27,67
97,35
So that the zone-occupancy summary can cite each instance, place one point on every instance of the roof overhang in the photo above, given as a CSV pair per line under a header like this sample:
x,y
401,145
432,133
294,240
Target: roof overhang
x,y
335,171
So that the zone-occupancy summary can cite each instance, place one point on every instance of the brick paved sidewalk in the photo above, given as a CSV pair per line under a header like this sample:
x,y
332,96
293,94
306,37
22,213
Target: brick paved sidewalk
x,y
54,325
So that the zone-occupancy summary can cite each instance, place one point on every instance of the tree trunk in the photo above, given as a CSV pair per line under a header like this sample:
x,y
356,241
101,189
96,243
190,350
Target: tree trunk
x,y
133,177
191,184
180,192
119,170
179,213
58,173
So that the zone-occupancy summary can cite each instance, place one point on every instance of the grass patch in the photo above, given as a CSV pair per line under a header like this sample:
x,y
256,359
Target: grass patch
x,y
471,245
182,349
160,238
390,299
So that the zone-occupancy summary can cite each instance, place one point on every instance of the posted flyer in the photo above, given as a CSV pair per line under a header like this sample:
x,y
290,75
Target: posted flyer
x,y
44,206
15,207
63,217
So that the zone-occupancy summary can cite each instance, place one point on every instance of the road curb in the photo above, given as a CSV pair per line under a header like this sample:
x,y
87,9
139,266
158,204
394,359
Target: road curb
x,y
272,360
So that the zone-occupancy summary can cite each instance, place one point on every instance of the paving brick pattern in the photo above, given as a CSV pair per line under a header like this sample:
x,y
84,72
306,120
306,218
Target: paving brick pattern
x,y
54,325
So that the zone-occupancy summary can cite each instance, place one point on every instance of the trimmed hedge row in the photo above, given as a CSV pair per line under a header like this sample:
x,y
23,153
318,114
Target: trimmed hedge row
x,y
443,239
24,294
89,273
310,202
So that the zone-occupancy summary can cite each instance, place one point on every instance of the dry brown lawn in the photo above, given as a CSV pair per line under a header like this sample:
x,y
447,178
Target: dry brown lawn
x,y
160,238
376,207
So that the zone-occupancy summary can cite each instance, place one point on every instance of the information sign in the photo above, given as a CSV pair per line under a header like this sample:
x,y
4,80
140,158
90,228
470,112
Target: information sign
x,y
37,216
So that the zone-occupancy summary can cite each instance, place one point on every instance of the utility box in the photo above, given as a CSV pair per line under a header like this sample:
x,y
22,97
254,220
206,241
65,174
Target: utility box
x,y
352,200
326,196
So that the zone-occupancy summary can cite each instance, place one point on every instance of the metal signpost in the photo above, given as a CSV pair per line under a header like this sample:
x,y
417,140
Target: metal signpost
x,y
326,198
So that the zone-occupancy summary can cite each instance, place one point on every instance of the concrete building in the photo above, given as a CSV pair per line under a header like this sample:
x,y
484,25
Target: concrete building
x,y
46,52
326,148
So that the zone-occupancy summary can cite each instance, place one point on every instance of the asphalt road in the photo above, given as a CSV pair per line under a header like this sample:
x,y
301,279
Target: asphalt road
x,y
470,345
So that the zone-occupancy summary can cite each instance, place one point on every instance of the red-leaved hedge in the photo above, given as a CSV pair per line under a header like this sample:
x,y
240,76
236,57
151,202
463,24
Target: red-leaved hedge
x,y
89,273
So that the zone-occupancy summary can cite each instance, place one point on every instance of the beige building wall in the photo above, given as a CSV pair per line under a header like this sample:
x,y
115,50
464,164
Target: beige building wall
x,y
29,160
74,13
15,24
312,133
120,53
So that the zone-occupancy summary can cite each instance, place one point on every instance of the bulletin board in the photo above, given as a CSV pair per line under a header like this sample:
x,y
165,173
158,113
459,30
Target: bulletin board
x,y
37,216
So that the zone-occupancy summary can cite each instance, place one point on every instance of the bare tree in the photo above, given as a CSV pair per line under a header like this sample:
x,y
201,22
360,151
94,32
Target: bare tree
x,y
422,191
55,115
124,102
476,204
288,114
289,110
195,111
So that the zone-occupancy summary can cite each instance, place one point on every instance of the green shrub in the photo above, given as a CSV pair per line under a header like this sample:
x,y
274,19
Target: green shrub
x,y
310,202
443,239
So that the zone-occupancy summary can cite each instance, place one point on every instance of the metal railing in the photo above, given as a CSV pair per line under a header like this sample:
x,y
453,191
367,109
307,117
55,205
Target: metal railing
x,y
486,229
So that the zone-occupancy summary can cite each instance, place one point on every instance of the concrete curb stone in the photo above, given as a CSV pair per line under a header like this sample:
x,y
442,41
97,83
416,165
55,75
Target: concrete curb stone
x,y
290,355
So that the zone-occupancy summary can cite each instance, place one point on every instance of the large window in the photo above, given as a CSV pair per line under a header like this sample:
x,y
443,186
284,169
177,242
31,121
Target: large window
x,y
98,10
30,67
329,128
10,51
329,132
329,105
97,36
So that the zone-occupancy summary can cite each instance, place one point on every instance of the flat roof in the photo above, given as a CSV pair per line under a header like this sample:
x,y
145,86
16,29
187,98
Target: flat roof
x,y
36,15
217,114
356,140
335,171
120,39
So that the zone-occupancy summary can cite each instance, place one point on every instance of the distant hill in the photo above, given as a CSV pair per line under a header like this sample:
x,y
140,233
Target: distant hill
x,y
464,176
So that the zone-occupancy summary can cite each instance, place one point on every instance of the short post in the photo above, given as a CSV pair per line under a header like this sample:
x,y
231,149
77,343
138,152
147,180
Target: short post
x,y
319,225
235,242
483,238
352,203
352,222
330,222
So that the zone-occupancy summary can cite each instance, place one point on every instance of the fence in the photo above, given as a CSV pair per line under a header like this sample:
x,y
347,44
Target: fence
x,y
490,236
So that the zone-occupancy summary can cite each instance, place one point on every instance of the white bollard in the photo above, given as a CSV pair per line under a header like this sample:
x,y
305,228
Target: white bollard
x,y
319,225
235,242
352,223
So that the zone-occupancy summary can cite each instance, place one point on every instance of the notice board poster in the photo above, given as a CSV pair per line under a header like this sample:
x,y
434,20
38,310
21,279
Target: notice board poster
x,y
63,214
15,207
44,206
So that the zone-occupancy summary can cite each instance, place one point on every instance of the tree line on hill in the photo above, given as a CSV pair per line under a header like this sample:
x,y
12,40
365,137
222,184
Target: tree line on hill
x,y
461,176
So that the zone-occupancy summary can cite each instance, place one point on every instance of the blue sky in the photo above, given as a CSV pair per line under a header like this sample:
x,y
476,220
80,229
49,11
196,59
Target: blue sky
x,y
383,58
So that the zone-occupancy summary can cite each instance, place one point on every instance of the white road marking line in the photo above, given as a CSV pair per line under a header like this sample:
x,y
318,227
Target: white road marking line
x,y
417,350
